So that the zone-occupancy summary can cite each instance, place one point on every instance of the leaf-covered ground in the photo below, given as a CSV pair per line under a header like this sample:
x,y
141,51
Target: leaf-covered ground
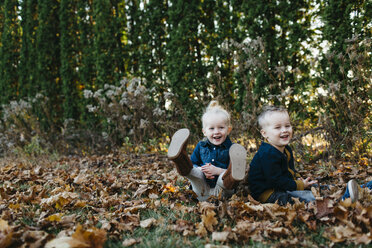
x,y
139,200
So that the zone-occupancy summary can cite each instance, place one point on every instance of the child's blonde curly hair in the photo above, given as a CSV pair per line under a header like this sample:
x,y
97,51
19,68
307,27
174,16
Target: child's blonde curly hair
x,y
215,108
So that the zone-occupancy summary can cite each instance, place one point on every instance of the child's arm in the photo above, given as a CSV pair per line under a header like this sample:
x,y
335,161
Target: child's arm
x,y
197,162
277,175
308,182
210,170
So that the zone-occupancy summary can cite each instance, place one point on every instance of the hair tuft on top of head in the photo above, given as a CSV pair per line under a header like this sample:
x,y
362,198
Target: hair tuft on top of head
x,y
215,108
213,104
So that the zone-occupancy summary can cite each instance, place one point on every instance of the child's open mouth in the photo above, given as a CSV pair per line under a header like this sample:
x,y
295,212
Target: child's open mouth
x,y
217,138
286,136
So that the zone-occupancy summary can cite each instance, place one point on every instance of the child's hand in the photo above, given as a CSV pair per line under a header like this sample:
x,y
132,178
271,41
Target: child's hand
x,y
210,170
308,182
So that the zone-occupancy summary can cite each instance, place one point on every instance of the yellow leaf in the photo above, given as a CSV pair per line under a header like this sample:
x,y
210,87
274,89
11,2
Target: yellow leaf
x,y
54,217
169,188
61,203
14,206
80,204
209,220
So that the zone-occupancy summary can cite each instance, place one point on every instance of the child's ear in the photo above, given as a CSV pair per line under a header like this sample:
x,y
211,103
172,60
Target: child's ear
x,y
203,132
263,133
229,130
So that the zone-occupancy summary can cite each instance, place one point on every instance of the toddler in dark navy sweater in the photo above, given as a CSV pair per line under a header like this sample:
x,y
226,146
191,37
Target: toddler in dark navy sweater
x,y
272,176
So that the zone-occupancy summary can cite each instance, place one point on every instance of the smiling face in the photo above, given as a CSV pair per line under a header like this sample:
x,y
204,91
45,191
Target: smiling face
x,y
215,128
277,129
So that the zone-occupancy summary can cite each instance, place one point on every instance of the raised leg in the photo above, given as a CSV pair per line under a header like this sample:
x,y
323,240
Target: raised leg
x,y
177,151
237,168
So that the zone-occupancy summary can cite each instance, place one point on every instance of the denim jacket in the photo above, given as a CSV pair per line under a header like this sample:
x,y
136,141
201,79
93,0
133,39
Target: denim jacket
x,y
206,152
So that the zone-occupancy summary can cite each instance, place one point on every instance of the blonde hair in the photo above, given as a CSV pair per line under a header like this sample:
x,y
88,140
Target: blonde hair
x,y
215,108
269,109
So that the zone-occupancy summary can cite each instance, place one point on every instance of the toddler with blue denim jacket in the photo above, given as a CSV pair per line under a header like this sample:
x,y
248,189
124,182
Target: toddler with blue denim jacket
x,y
216,165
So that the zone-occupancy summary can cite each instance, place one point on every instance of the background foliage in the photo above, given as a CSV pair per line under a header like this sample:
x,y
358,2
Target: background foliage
x,y
100,74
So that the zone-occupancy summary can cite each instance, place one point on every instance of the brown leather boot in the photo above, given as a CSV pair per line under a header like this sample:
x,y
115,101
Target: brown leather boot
x,y
236,170
177,152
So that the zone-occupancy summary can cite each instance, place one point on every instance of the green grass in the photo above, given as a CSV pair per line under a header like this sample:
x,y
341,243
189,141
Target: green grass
x,y
162,235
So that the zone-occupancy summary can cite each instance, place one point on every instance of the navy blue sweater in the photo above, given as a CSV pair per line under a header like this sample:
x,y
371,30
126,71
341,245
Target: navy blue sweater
x,y
271,170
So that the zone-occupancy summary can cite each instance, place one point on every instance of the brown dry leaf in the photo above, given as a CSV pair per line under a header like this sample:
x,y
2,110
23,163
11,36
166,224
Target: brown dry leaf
x,y
316,193
341,213
80,204
220,236
209,220
255,208
324,207
305,217
347,203
90,238
142,189
148,223
3,194
81,178
34,239
94,237
68,220
130,242
135,208
216,246
245,229
60,200
290,216
200,230
278,231
182,225
65,242
364,215
340,233
153,196
6,233
206,206
127,222
363,239
365,197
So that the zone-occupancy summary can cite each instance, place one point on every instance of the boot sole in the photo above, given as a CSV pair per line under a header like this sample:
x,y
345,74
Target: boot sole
x,y
238,156
353,186
178,140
